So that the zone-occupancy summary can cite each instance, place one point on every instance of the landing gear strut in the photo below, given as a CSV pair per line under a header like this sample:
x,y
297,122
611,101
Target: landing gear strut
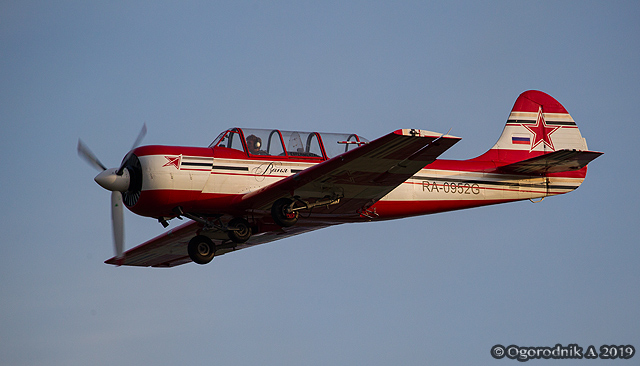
x,y
201,249
238,229
285,215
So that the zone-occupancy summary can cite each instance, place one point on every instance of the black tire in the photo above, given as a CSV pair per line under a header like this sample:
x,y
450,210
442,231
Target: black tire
x,y
280,214
242,231
201,249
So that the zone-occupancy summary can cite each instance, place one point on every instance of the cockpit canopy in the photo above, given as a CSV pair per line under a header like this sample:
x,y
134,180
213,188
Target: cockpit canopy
x,y
263,142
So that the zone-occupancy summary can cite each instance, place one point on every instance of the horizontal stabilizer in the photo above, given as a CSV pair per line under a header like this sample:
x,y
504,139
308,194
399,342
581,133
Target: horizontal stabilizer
x,y
555,162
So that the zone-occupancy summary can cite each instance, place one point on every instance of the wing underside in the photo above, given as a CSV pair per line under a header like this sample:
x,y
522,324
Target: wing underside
x,y
170,248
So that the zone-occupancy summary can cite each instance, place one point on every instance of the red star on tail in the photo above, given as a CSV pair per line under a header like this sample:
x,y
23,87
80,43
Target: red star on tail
x,y
541,132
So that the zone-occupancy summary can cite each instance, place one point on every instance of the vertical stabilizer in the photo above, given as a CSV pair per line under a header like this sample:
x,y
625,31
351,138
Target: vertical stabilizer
x,y
538,124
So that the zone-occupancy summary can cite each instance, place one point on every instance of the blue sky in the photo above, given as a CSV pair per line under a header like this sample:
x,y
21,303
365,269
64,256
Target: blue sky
x,y
434,289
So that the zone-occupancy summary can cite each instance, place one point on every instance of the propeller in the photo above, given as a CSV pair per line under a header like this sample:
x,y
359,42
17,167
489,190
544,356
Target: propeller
x,y
117,221
116,180
89,156
137,142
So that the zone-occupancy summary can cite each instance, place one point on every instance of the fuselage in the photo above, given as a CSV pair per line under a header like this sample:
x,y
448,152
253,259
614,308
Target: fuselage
x,y
209,181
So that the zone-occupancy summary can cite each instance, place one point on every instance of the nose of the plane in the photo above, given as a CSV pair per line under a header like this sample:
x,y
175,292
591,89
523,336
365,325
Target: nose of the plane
x,y
110,180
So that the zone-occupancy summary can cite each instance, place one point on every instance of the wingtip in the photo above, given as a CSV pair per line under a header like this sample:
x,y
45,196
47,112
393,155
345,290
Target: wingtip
x,y
116,261
423,133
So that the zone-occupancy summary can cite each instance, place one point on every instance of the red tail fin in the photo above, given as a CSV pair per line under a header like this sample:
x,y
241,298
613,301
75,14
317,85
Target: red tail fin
x,y
538,124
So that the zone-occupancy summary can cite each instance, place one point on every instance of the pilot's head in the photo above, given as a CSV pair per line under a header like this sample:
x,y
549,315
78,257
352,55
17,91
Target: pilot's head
x,y
253,144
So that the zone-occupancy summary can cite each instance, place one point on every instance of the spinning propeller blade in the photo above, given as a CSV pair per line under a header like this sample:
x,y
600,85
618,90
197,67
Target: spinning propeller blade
x,y
137,142
117,221
141,135
89,156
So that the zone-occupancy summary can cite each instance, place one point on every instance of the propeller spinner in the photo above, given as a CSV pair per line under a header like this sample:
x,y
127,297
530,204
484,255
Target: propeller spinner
x,y
116,180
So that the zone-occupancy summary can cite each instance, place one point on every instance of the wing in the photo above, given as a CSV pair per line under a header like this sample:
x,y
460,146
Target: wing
x,y
555,162
170,248
360,177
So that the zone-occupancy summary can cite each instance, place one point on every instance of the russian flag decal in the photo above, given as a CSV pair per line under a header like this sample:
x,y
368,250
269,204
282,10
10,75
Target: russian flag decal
x,y
520,140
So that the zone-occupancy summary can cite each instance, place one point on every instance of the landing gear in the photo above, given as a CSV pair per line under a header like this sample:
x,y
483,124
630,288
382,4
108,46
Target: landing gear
x,y
239,230
201,249
283,214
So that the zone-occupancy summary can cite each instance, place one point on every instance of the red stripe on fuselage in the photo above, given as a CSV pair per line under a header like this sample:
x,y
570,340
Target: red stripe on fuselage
x,y
173,150
161,202
399,209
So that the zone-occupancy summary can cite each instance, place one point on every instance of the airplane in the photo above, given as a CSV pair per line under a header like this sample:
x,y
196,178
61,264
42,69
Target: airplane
x,y
254,186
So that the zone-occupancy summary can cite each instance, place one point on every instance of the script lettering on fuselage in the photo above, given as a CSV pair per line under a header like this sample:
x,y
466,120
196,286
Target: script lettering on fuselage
x,y
267,169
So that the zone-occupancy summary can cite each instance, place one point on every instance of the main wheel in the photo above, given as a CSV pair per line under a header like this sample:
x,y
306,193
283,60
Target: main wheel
x,y
201,249
282,214
239,230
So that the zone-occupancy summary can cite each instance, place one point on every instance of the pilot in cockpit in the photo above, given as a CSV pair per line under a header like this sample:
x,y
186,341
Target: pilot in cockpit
x,y
254,144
